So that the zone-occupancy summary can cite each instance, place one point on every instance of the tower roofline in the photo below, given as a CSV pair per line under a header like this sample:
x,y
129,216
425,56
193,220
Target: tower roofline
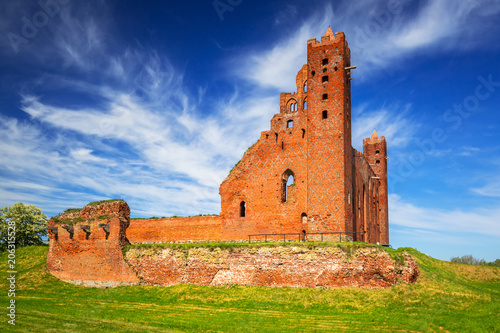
x,y
374,138
327,38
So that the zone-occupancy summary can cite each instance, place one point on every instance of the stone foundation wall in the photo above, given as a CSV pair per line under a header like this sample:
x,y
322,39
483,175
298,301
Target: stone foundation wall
x,y
282,266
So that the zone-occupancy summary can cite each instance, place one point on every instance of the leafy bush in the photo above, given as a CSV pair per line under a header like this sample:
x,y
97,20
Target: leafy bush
x,y
23,224
470,260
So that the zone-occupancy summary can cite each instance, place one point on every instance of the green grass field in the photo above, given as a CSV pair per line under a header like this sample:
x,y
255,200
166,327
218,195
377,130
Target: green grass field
x,y
447,297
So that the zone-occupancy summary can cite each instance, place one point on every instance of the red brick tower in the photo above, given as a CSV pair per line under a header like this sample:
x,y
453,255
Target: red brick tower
x,y
375,152
329,152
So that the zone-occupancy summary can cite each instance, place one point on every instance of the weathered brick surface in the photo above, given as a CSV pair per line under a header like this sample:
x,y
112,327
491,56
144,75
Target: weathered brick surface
x,y
197,228
271,266
375,151
96,259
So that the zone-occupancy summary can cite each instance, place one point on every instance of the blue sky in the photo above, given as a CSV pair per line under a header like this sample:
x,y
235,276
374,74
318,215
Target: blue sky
x,y
155,101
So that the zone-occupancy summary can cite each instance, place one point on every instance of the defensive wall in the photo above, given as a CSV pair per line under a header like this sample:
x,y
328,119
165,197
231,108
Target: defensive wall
x,y
175,229
88,247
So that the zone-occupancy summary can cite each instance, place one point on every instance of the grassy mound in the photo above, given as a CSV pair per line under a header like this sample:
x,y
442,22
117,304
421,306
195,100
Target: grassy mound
x,y
447,296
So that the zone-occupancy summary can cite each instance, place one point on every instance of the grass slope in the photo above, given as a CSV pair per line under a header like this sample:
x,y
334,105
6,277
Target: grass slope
x,y
447,297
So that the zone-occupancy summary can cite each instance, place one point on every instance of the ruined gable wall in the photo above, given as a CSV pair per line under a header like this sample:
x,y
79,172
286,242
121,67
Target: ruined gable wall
x,y
179,229
258,179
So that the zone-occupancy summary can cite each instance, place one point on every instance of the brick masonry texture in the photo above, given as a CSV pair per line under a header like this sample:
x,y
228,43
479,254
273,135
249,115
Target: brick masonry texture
x,y
197,228
282,266
90,255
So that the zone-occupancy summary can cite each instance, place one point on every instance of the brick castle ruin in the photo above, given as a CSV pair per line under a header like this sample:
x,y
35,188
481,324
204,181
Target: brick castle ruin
x,y
301,177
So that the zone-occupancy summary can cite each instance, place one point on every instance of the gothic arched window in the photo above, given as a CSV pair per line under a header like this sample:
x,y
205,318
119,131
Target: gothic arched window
x,y
243,209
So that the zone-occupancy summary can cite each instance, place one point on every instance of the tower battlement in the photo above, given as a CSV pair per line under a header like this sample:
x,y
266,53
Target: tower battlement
x,y
328,38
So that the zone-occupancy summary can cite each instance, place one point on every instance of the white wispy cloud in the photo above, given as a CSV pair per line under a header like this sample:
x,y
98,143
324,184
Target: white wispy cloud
x,y
480,221
277,66
383,36
393,122
380,35
148,139
492,189
152,141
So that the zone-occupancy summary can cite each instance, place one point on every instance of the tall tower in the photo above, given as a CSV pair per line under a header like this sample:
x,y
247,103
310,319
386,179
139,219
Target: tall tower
x,y
329,152
375,151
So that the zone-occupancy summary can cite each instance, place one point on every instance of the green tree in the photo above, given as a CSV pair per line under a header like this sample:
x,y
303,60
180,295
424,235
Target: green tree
x,y
26,222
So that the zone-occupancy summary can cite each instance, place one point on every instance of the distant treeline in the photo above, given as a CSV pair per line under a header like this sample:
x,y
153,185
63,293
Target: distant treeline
x,y
470,260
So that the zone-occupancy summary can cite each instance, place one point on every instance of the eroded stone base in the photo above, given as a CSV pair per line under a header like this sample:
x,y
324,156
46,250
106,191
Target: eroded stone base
x,y
101,284
282,266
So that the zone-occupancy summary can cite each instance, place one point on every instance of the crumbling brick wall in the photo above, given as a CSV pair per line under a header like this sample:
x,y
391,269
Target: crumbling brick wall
x,y
85,246
365,219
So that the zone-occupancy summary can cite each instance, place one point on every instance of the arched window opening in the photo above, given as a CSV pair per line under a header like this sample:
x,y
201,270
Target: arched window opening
x,y
303,133
305,105
303,217
377,152
243,209
282,145
288,186
313,73
324,114
325,61
305,87
324,79
325,96
276,134
289,123
377,162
